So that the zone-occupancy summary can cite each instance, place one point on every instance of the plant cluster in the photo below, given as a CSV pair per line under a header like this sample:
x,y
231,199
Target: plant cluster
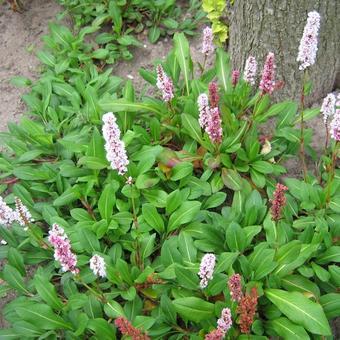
x,y
121,21
163,217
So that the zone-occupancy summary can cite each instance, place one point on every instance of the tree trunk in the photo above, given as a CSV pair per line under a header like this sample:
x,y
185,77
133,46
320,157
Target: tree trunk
x,y
261,26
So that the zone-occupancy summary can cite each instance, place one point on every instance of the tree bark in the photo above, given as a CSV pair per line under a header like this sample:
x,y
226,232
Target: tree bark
x,y
261,26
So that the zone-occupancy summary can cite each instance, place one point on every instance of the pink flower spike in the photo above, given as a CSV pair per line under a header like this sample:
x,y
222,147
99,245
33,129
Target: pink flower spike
x,y
206,269
204,110
309,41
328,107
24,217
7,214
97,265
62,249
335,123
225,322
235,77
213,94
278,202
214,127
208,45
234,284
250,70
216,334
115,148
335,127
267,83
127,329
164,84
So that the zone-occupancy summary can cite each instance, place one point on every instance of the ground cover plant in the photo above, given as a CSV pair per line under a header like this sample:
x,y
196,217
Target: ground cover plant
x,y
120,21
168,217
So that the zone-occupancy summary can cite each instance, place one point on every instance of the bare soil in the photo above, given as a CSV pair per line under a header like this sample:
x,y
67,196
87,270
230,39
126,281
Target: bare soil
x,y
20,36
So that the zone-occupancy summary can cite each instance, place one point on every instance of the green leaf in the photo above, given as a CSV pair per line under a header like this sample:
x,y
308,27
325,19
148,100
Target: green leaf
x,y
274,110
287,329
88,240
170,23
31,173
262,167
321,273
181,170
235,237
116,15
127,40
182,52
231,179
156,197
42,316
222,67
288,252
119,105
101,328
13,277
331,305
285,118
62,66
147,243
215,200
67,91
192,127
187,247
332,254
152,217
308,114
16,260
106,202
67,197
47,58
146,181
334,204
186,213
148,76
100,53
194,309
168,309
21,81
300,310
114,310
335,274
94,163
225,261
300,284
186,278
9,333
154,34
47,292
143,322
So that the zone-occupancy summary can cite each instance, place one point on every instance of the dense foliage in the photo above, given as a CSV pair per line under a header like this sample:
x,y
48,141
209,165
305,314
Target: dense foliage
x,y
191,229
120,21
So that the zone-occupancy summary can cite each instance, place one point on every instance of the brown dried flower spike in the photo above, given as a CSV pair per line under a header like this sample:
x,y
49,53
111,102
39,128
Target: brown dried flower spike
x,y
247,309
278,201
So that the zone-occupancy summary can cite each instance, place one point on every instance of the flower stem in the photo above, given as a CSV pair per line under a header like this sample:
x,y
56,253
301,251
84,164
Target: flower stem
x,y
97,294
327,137
331,173
302,126
204,63
139,261
41,242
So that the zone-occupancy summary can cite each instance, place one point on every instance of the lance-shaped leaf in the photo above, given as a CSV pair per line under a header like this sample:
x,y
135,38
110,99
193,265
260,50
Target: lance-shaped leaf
x,y
182,52
300,310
